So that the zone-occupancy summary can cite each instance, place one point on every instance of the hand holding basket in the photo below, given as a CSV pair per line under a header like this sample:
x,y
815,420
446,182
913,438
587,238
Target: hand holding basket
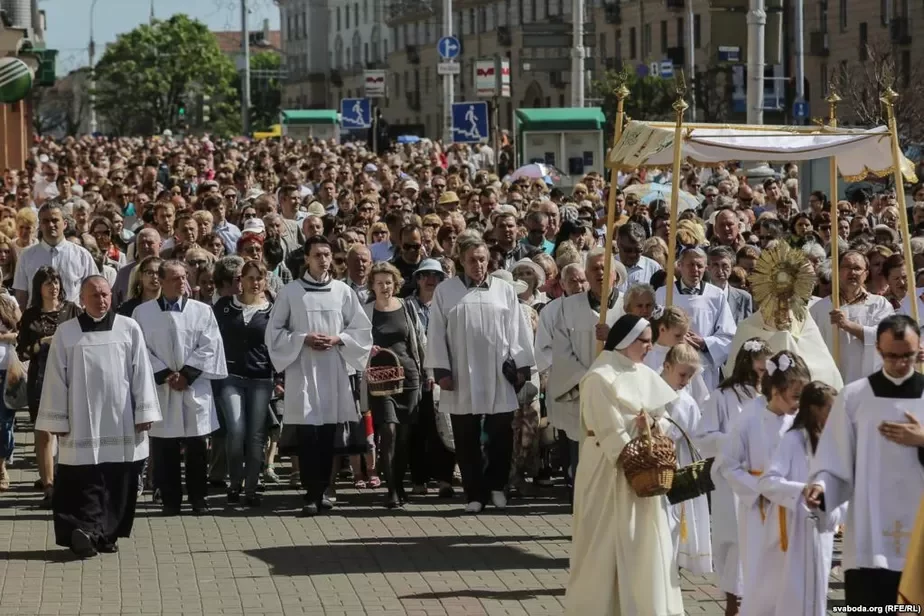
x,y
649,460
385,380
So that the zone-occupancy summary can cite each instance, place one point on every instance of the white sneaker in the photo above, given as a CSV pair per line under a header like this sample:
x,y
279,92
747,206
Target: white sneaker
x,y
474,507
499,499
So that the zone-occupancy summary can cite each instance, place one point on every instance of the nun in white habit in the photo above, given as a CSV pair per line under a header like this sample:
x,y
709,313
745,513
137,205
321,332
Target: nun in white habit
x,y
622,556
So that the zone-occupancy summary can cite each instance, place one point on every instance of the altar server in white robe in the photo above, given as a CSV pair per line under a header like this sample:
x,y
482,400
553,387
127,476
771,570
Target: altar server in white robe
x,y
746,454
712,325
871,455
480,348
575,339
671,326
317,332
720,412
622,557
573,281
855,323
187,353
689,520
797,562
99,397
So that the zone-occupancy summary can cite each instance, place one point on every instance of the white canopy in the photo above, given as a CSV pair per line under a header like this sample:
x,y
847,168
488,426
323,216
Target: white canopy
x,y
859,152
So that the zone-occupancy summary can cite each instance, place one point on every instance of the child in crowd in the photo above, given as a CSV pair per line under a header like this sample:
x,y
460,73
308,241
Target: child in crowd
x,y
669,327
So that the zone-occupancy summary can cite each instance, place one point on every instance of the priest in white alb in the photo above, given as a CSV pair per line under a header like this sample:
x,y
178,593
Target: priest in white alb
x,y
712,326
576,334
187,353
317,331
856,320
480,348
622,555
871,454
100,399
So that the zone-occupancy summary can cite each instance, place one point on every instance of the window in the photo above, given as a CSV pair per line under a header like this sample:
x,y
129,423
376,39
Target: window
x,y
289,27
473,26
680,36
823,16
366,52
864,42
884,10
347,18
843,15
646,40
632,51
365,11
356,14
905,68
602,46
697,32
397,82
338,19
824,79
618,45
663,36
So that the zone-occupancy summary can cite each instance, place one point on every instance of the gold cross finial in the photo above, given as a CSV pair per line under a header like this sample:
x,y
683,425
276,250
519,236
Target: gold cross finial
x,y
889,96
680,87
833,98
622,78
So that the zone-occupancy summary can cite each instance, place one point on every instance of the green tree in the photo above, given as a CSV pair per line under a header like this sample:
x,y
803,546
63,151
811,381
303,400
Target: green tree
x,y
265,90
650,98
145,76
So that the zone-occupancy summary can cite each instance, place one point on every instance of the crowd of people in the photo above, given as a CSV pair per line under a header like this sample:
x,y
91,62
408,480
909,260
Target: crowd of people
x,y
247,313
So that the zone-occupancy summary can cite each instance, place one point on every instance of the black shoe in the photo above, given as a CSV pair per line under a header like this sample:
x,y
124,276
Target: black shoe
x,y
156,497
393,501
82,544
170,511
310,510
447,492
38,485
253,500
234,497
109,548
325,504
218,483
402,497
200,508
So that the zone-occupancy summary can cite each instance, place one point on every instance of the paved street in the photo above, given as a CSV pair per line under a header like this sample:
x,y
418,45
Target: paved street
x,y
426,561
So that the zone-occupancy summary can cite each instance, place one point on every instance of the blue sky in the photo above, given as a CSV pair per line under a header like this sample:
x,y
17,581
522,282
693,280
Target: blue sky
x,y
69,21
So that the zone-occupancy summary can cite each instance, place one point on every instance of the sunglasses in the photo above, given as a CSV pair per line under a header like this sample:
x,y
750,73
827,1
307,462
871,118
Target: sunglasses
x,y
412,246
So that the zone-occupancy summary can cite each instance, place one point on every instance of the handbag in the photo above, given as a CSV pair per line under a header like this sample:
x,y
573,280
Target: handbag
x,y
15,388
694,479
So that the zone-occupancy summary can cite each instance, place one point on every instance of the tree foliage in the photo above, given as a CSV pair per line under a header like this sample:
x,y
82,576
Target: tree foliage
x,y
265,90
144,76
650,98
861,84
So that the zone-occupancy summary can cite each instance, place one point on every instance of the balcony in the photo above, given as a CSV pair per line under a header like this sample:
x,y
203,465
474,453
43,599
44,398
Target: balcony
x,y
409,11
818,44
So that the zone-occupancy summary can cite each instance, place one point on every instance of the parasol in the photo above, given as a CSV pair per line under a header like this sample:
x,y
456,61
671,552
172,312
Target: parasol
x,y
538,171
662,192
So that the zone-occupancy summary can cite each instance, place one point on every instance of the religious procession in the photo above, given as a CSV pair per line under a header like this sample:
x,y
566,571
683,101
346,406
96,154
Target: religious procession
x,y
723,375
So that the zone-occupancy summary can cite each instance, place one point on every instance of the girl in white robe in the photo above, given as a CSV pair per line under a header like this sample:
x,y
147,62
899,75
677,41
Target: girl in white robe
x,y
797,562
744,457
670,327
689,520
719,414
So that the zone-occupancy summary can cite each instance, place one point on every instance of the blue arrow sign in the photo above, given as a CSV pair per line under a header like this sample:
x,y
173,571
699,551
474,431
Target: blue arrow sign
x,y
355,113
449,47
470,122
800,109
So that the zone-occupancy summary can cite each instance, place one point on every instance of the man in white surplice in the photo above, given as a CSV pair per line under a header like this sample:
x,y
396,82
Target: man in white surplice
x,y
856,320
870,454
575,337
187,354
712,326
573,281
317,331
99,397
479,346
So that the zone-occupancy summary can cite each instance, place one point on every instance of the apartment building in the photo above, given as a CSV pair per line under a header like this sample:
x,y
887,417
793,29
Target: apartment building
x,y
305,45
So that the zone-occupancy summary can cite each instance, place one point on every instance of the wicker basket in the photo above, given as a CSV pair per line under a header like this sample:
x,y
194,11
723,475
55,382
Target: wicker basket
x,y
692,480
386,380
649,461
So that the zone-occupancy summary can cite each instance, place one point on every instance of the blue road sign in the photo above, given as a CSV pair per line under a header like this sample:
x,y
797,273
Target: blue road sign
x,y
641,70
355,113
449,47
800,109
667,69
470,122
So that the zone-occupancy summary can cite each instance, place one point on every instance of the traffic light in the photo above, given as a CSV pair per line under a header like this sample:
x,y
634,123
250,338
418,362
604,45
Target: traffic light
x,y
206,109
181,110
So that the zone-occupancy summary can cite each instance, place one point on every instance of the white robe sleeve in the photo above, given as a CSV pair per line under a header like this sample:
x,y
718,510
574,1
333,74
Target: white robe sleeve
x,y
438,356
520,332
568,368
713,425
718,343
548,318
775,484
209,354
157,364
600,414
883,309
733,463
356,337
54,408
145,402
833,465
283,344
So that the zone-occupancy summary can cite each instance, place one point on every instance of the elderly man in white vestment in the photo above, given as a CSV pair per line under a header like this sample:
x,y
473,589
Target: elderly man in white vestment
x,y
712,325
317,332
99,397
855,322
187,353
573,281
622,555
575,334
871,454
480,348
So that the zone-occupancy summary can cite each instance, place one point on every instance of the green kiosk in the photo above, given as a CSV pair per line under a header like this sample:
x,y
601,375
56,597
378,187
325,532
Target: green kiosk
x,y
567,138
305,124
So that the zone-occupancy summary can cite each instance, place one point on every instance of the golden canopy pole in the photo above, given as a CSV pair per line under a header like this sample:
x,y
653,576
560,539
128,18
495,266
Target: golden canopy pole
x,y
833,99
622,93
888,98
680,106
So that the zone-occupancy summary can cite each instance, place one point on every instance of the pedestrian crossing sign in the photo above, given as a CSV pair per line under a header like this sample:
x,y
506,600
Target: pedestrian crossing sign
x,y
470,122
355,113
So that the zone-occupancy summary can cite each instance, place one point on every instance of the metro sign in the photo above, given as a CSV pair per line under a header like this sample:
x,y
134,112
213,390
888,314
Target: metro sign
x,y
486,82
374,83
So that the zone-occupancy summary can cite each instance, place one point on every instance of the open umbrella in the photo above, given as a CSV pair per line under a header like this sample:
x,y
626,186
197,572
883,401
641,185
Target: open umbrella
x,y
662,192
538,171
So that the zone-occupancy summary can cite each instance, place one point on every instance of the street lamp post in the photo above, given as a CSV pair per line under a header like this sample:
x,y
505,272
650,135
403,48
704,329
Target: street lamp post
x,y
92,50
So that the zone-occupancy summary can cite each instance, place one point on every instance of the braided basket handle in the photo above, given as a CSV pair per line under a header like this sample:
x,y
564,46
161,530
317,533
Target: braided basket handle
x,y
697,456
